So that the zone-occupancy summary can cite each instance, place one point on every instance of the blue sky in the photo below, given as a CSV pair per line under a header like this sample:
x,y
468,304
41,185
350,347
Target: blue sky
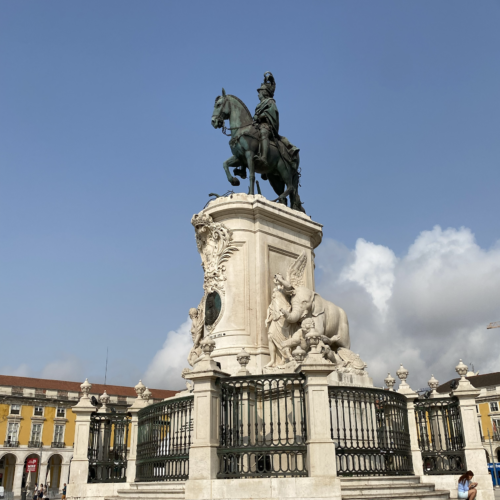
x,y
106,151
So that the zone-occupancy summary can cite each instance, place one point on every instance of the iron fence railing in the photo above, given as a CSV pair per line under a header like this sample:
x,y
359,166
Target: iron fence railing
x,y
11,444
34,444
164,439
370,430
57,444
440,435
107,451
263,426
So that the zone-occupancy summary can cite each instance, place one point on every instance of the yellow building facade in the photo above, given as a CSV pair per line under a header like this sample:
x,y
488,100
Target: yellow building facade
x,y
37,425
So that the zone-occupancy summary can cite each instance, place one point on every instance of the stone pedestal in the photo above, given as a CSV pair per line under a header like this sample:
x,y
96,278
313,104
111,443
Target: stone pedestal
x,y
79,470
138,405
268,238
475,455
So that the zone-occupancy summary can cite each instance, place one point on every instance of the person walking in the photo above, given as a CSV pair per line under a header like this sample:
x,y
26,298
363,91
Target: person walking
x,y
40,491
467,489
35,492
63,497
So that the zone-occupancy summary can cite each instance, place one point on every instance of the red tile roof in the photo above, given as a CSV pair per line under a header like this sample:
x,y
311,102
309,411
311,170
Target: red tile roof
x,y
478,381
62,385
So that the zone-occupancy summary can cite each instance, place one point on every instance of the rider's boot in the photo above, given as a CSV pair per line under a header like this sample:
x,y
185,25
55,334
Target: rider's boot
x,y
264,149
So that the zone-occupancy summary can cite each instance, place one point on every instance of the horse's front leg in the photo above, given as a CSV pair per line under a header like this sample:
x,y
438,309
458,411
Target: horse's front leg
x,y
251,169
231,162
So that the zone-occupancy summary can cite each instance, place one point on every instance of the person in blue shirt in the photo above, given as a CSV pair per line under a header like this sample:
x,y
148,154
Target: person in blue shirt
x,y
467,489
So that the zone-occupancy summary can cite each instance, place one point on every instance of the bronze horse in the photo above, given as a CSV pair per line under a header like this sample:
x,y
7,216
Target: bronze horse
x,y
244,144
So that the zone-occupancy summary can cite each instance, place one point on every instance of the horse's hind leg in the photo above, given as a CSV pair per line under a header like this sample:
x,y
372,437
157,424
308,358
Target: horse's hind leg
x,y
231,162
278,185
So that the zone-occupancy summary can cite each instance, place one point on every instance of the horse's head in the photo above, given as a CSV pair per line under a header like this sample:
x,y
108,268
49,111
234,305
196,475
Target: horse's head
x,y
222,110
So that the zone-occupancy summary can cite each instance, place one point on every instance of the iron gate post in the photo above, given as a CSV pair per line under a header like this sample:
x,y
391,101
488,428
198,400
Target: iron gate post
x,y
475,454
320,447
79,471
416,454
138,405
203,461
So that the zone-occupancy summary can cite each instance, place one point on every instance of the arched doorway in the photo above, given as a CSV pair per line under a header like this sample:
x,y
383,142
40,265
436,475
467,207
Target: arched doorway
x,y
30,478
487,457
7,470
497,453
54,472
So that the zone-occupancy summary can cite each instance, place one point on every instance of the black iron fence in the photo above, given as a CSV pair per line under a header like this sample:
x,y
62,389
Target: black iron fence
x,y
370,430
263,426
164,439
107,451
440,435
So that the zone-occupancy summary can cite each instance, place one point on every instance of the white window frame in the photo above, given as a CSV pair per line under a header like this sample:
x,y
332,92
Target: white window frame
x,y
494,406
13,437
18,407
62,435
32,429
58,409
34,411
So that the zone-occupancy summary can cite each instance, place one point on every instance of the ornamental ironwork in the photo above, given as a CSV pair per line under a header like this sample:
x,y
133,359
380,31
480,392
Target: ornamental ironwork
x,y
370,430
107,451
440,435
263,426
164,439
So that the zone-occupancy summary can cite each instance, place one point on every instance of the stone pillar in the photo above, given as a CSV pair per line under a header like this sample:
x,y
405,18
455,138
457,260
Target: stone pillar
x,y
416,454
80,463
64,475
18,478
203,462
264,238
475,455
42,474
138,405
320,447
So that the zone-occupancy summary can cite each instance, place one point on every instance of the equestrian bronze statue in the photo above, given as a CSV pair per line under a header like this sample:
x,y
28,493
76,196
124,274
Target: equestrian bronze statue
x,y
256,144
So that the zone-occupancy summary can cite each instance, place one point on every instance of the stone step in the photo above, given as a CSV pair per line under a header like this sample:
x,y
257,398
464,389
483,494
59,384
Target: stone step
x,y
392,488
363,480
381,489
154,491
428,495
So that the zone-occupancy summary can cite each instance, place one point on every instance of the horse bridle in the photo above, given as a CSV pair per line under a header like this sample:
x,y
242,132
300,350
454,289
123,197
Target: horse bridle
x,y
221,118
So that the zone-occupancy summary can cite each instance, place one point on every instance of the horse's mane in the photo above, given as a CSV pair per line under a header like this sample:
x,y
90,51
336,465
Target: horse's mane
x,y
241,102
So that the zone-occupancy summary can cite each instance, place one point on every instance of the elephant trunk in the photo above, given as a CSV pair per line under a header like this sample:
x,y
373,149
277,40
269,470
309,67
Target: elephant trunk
x,y
294,315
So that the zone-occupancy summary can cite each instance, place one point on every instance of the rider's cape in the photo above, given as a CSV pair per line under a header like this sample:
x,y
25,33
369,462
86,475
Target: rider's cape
x,y
269,109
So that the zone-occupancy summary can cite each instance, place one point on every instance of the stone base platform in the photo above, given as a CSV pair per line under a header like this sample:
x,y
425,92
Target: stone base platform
x,y
300,488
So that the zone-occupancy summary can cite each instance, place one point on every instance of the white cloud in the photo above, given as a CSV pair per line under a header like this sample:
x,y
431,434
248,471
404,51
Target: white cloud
x,y
164,371
426,310
23,370
373,269
69,368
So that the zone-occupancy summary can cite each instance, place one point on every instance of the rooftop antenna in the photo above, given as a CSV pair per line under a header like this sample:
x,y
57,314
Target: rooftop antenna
x,y
106,370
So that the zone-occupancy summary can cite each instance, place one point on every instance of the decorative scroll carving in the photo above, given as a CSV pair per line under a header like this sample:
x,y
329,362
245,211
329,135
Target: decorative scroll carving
x,y
215,244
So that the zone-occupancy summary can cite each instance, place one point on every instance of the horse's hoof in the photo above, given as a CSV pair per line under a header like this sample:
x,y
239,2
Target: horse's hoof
x,y
235,182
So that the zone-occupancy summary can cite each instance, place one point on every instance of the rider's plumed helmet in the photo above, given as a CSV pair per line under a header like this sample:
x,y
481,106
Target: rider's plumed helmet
x,y
269,84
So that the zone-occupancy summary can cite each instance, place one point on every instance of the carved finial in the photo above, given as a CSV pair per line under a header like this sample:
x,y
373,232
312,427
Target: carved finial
x,y
299,354
390,381
147,395
461,369
85,387
402,374
104,399
207,346
433,384
139,389
243,358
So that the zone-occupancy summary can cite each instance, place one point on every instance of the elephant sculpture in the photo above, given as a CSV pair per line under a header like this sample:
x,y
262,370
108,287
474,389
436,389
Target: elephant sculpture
x,y
329,319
